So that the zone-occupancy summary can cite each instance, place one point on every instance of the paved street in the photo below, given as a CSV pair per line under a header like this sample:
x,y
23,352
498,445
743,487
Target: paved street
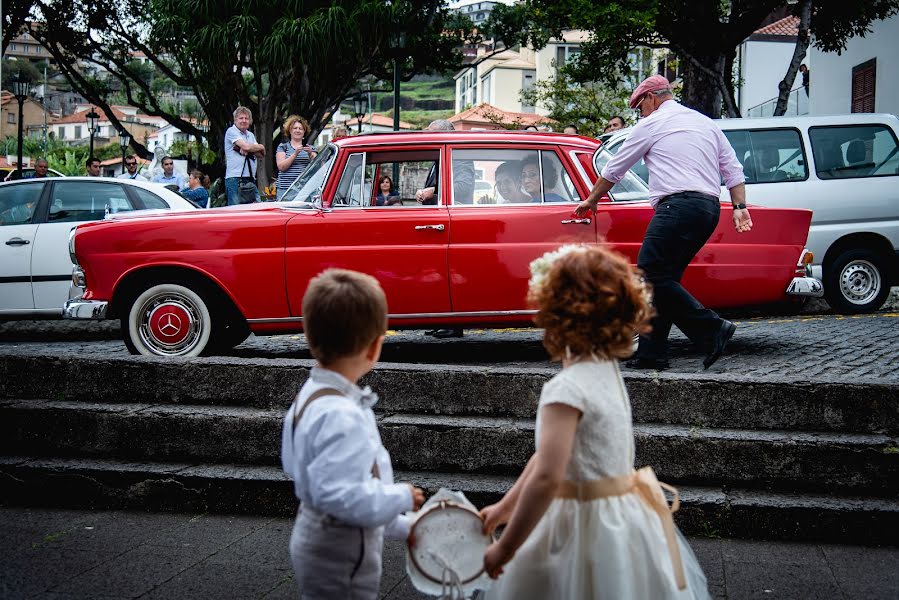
x,y
70,554
808,347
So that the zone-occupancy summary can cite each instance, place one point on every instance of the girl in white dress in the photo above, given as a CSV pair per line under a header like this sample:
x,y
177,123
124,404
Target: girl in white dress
x,y
581,522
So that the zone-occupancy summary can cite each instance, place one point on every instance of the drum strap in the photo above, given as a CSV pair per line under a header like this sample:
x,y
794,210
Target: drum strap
x,y
375,471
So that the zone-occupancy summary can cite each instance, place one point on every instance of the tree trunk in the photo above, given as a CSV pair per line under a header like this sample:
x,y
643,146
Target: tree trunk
x,y
802,43
702,77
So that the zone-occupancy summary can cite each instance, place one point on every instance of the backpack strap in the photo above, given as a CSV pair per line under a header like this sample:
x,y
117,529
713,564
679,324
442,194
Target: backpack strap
x,y
375,471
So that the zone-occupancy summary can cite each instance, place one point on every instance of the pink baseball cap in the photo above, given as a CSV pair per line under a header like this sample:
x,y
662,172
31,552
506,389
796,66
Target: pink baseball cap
x,y
650,84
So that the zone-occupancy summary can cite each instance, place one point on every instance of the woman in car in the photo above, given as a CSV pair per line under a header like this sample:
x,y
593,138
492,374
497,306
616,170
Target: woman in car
x,y
387,196
508,184
530,181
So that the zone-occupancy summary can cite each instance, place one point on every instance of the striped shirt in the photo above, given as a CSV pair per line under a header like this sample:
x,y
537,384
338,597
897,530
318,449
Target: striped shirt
x,y
285,178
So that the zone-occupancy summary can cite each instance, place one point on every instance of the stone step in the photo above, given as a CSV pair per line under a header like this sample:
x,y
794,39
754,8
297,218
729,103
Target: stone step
x,y
700,400
263,490
786,460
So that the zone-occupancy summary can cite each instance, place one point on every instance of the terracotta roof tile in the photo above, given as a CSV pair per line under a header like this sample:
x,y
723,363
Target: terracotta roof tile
x,y
81,117
788,26
479,114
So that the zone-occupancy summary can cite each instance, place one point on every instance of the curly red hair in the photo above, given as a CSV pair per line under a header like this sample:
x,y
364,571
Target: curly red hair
x,y
591,303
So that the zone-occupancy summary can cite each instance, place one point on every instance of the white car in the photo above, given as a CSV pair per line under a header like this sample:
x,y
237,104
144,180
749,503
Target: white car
x,y
845,169
36,217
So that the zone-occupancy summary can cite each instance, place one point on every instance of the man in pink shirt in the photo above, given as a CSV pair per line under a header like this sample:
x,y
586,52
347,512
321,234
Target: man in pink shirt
x,y
687,156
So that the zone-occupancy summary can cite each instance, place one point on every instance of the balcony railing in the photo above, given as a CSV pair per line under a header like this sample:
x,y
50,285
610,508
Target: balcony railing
x,y
797,104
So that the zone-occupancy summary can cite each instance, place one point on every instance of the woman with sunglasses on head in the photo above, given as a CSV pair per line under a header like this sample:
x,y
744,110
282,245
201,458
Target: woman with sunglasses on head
x,y
293,156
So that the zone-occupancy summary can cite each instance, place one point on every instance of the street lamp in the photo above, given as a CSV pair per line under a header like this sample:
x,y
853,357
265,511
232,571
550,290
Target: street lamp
x,y
92,119
20,87
396,43
360,106
124,141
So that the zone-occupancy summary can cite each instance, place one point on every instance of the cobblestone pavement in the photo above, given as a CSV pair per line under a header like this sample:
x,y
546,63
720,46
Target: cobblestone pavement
x,y
74,554
818,347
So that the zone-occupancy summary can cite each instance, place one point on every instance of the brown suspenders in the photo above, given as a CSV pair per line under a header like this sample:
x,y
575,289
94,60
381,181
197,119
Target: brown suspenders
x,y
375,471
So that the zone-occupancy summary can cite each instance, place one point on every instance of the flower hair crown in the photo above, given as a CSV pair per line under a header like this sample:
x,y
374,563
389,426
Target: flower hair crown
x,y
541,266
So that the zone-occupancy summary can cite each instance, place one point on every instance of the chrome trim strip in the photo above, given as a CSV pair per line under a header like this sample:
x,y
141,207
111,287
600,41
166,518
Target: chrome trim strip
x,y
482,313
94,310
572,156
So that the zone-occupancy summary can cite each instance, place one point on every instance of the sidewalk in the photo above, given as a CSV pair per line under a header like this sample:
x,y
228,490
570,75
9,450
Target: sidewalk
x,y
71,554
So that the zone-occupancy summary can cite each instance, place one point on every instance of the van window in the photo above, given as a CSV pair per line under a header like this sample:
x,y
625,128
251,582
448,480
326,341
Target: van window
x,y
769,155
855,151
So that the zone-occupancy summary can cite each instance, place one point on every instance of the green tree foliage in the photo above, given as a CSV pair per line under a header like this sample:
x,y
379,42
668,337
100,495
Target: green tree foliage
x,y
589,106
703,33
276,57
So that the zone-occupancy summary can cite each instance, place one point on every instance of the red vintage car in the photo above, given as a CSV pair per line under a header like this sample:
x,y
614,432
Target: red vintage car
x,y
188,283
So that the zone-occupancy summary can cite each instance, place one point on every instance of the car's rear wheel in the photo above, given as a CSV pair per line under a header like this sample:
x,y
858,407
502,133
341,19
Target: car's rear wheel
x,y
167,319
857,282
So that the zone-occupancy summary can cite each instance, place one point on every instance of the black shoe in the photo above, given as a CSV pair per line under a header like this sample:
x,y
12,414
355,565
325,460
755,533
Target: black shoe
x,y
444,333
719,342
658,364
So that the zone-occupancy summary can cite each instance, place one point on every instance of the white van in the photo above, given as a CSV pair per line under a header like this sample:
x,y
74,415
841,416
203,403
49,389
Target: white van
x,y
845,168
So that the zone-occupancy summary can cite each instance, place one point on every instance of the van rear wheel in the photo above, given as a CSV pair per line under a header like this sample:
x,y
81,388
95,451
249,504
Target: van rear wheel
x,y
857,282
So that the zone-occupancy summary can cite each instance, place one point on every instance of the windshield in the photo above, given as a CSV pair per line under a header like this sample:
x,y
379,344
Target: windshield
x,y
630,189
310,183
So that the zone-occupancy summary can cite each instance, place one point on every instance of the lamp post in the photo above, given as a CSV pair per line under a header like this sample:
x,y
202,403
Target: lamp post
x,y
396,42
360,106
124,141
20,87
92,119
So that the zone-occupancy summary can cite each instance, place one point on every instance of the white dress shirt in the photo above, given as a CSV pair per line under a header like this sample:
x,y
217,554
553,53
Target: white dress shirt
x,y
684,151
329,457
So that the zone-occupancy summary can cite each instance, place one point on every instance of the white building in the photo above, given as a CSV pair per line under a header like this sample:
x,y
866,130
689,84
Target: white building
x,y
475,10
762,61
858,79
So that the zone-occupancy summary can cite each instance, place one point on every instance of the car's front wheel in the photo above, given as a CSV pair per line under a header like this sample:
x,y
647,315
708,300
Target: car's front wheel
x,y
857,282
167,319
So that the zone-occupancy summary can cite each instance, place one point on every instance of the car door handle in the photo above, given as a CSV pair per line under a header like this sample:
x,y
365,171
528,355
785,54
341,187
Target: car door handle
x,y
17,242
439,227
575,221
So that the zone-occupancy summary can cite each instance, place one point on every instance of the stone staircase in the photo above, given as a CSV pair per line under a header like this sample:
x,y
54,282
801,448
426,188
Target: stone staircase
x,y
776,458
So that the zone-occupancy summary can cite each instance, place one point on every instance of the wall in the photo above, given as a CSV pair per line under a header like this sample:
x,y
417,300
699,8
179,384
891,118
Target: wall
x,y
831,74
764,65
506,89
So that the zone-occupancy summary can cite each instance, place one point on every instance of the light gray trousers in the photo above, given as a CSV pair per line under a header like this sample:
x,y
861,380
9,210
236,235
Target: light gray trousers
x,y
332,560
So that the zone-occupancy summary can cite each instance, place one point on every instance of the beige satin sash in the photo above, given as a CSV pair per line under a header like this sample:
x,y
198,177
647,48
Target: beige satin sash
x,y
649,489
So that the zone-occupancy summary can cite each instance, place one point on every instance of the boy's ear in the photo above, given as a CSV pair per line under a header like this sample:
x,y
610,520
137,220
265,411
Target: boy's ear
x,y
374,350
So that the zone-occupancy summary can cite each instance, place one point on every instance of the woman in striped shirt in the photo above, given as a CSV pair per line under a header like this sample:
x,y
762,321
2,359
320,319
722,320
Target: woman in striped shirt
x,y
292,156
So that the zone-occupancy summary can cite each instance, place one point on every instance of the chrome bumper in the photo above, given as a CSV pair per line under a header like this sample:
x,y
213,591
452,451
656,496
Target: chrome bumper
x,y
805,286
77,308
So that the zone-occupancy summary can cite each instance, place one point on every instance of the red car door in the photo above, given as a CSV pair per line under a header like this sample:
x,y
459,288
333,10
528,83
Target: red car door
x,y
495,236
404,246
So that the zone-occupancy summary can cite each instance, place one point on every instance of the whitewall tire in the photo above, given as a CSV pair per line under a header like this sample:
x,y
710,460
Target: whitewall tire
x,y
168,320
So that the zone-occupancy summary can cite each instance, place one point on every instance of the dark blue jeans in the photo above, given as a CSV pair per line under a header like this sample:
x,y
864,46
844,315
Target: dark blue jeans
x,y
682,224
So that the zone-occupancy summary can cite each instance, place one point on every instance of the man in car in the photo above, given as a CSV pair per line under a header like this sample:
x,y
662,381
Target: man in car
x,y
687,156
463,175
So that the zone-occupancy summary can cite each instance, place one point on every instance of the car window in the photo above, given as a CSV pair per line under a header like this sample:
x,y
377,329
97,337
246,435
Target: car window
x,y
149,199
854,151
86,201
492,176
769,155
630,189
406,172
18,203
308,186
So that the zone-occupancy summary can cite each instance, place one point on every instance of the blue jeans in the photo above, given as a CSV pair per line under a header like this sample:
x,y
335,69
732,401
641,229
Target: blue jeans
x,y
682,224
231,189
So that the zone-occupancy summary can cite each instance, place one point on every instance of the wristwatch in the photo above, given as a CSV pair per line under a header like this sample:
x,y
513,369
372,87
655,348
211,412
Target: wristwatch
x,y
739,206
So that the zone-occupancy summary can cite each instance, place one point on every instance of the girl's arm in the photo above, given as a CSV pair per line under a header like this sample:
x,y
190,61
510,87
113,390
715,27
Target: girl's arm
x,y
499,513
558,425
283,161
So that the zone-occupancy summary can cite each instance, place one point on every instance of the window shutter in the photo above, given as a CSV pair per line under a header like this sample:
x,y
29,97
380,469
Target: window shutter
x,y
863,86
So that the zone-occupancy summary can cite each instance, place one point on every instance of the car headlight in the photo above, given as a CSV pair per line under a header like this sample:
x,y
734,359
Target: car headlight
x,y
72,246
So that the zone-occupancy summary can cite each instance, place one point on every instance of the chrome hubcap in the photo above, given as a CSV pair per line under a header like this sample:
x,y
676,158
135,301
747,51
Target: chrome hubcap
x,y
170,324
860,282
